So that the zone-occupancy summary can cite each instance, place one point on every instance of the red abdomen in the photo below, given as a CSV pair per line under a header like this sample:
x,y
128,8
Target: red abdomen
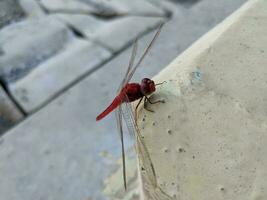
x,y
131,90
115,103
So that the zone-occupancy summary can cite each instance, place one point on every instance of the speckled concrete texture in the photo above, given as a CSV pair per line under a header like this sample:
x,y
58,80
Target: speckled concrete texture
x,y
209,140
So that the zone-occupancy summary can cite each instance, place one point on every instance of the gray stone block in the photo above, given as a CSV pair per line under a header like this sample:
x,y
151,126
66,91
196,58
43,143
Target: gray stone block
x,y
57,73
67,6
211,12
122,30
61,152
87,25
10,11
28,43
127,7
186,3
103,8
9,113
60,155
32,8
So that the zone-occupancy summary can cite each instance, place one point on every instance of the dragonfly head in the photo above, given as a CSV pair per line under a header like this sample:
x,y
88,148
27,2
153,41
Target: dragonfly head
x,y
147,86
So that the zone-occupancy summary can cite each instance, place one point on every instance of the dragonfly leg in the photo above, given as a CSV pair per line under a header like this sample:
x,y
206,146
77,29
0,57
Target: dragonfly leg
x,y
145,105
161,83
149,101
135,111
158,101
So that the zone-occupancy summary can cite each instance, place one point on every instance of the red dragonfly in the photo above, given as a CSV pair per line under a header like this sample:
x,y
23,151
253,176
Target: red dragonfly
x,y
129,92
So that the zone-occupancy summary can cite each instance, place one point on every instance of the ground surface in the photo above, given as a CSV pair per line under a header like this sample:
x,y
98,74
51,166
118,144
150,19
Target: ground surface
x,y
60,65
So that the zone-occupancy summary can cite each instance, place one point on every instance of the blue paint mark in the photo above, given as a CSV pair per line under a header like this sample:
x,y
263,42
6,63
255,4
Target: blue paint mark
x,y
197,75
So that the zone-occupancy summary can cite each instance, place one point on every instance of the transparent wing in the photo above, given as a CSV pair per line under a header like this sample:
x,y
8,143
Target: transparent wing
x,y
131,62
118,114
129,120
131,123
150,179
127,114
130,74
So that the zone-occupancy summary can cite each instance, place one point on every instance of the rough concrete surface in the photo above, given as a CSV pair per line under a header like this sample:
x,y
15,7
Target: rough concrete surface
x,y
209,140
59,151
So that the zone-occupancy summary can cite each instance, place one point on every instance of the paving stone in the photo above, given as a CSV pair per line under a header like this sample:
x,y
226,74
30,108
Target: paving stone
x,y
64,153
88,25
10,11
31,8
67,6
57,73
186,3
129,7
104,8
28,43
122,30
126,29
217,10
9,113
168,6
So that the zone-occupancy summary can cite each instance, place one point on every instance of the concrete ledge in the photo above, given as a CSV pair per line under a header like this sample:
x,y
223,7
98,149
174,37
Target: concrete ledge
x,y
208,141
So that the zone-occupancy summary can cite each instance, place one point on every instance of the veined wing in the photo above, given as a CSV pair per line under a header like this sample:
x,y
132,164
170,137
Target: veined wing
x,y
131,62
120,130
118,113
150,179
130,74
128,113
125,111
131,123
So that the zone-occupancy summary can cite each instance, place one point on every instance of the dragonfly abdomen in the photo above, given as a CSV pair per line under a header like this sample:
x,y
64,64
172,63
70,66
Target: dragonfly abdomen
x,y
115,103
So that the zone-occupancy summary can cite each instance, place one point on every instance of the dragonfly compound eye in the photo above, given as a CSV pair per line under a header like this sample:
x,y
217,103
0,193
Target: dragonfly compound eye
x,y
147,86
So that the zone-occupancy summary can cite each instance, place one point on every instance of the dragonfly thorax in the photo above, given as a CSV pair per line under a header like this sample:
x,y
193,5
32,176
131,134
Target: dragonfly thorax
x,y
147,86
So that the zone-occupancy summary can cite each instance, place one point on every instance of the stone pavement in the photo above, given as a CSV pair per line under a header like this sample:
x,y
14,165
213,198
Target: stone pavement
x,y
60,65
